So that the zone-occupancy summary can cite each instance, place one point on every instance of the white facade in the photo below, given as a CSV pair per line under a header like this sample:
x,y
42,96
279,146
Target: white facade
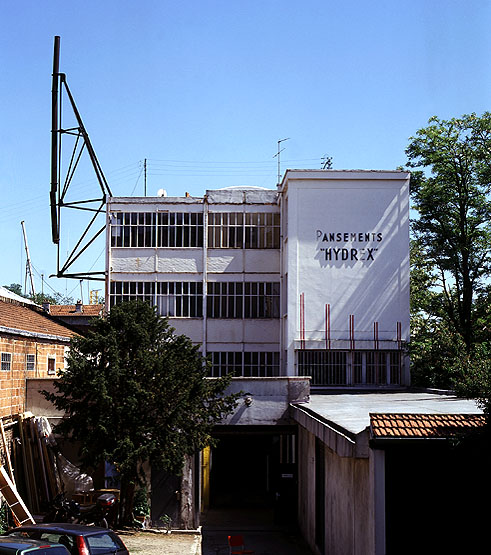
x,y
309,279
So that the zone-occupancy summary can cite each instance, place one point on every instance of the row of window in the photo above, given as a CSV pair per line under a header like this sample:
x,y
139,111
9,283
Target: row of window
x,y
339,368
234,230
185,299
30,363
247,364
243,231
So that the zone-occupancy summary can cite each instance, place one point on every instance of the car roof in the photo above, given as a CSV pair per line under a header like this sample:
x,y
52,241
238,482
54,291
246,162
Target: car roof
x,y
24,543
65,528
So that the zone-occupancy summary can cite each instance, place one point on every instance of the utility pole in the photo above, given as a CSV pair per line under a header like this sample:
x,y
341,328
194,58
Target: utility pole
x,y
28,262
277,155
145,175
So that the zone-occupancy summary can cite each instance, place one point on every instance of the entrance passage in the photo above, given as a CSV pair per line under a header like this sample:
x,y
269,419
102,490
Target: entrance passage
x,y
253,470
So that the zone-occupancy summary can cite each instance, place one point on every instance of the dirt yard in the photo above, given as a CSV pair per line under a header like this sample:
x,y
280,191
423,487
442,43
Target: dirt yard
x,y
153,543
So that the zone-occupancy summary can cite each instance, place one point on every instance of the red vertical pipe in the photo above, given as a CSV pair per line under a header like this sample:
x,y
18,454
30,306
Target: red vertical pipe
x,y
328,325
302,320
352,331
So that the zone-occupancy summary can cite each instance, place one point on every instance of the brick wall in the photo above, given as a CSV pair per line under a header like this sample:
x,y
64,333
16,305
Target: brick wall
x,y
48,358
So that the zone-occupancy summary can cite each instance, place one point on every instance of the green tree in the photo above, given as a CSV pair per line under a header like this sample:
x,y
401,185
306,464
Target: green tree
x,y
40,298
15,288
473,377
134,391
452,200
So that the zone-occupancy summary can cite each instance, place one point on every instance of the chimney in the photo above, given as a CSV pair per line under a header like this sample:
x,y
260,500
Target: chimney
x,y
79,306
187,195
46,307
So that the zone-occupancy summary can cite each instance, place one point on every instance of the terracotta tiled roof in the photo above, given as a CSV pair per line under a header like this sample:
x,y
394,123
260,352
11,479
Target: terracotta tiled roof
x,y
17,317
70,310
422,425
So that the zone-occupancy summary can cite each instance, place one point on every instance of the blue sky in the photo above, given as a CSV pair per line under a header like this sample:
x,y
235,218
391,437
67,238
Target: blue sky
x,y
204,90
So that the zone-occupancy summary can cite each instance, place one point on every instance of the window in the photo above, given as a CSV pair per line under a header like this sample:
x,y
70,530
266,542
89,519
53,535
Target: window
x,y
156,229
237,230
247,364
30,362
6,363
243,300
180,299
172,298
325,367
51,365
340,368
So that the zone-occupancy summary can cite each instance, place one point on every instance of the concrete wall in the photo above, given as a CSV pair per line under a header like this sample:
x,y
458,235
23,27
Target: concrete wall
x,y
348,247
266,400
36,402
349,527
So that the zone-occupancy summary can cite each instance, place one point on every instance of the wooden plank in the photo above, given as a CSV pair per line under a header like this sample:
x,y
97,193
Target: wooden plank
x,y
7,452
24,460
14,501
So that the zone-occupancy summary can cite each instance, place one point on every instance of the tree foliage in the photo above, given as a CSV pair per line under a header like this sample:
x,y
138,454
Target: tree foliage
x,y
452,200
134,391
40,298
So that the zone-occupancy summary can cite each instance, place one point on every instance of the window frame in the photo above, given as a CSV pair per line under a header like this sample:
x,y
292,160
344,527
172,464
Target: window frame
x,y
49,371
30,362
6,360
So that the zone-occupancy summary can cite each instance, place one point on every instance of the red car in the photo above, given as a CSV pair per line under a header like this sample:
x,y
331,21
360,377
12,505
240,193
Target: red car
x,y
78,539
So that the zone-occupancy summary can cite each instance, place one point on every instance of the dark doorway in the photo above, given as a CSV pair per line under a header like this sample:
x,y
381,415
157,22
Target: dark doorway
x,y
434,496
255,471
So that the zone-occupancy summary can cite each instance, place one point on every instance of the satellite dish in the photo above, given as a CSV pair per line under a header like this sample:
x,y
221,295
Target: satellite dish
x,y
161,193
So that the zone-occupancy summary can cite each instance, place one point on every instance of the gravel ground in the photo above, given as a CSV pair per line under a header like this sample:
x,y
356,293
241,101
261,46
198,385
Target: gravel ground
x,y
153,543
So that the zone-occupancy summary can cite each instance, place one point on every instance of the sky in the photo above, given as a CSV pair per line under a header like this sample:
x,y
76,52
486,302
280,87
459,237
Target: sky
x,y
204,89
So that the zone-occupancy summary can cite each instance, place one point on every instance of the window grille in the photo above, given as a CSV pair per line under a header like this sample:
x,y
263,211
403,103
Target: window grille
x,y
246,364
243,300
6,361
172,298
161,229
237,230
30,362
340,368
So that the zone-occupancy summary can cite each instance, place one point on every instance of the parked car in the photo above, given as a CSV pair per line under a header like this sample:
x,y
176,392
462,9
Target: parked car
x,y
79,539
18,546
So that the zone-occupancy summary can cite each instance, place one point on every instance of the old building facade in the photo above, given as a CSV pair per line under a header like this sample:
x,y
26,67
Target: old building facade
x,y
32,345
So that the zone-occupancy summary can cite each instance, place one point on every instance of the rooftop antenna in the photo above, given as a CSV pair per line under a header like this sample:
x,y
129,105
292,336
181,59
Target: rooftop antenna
x,y
28,262
277,155
327,162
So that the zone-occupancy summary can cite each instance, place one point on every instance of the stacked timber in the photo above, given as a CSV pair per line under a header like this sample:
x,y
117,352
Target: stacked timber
x,y
35,463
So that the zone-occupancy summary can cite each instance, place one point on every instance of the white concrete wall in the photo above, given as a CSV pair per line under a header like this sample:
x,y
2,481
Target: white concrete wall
x,y
349,523
366,274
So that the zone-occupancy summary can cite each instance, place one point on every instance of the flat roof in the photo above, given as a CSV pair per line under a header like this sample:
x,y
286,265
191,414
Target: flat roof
x,y
351,411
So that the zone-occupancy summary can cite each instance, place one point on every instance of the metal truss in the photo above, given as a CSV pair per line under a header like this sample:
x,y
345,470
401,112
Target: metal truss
x,y
60,184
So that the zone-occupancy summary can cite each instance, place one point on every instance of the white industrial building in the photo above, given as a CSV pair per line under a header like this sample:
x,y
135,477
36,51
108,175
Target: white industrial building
x,y
302,292
310,279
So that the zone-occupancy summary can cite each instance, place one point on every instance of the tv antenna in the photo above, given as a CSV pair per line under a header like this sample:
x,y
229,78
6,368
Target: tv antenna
x,y
277,155
59,190
326,162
